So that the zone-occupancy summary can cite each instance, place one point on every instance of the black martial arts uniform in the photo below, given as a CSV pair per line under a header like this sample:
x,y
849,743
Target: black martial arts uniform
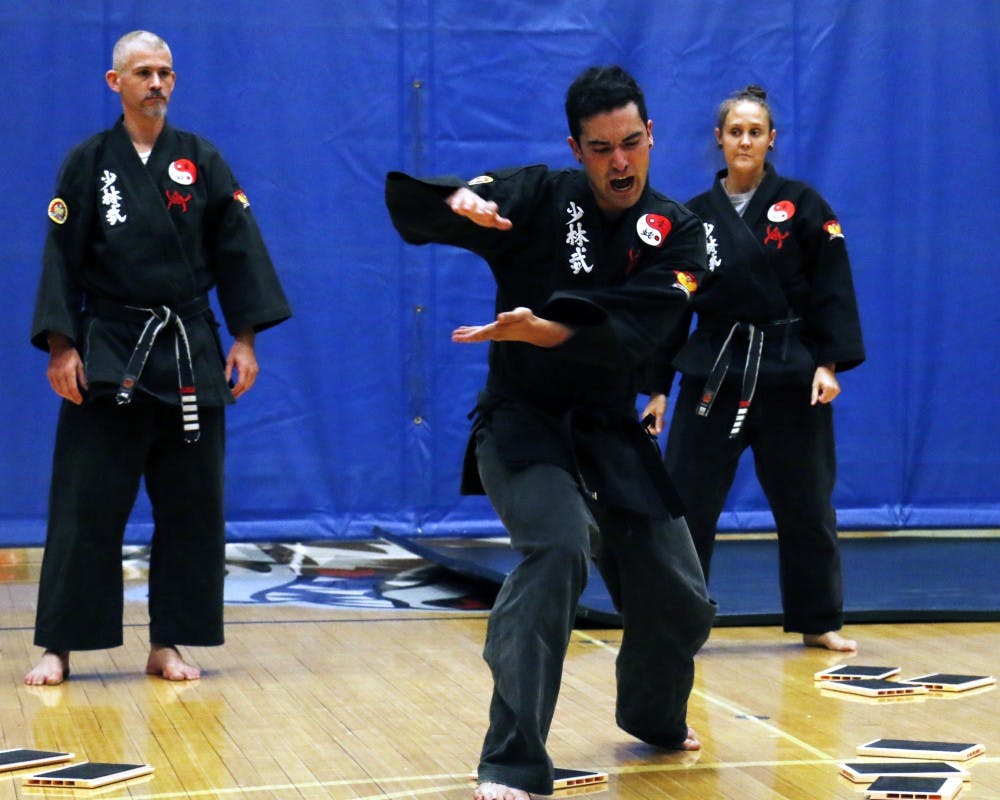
x,y
778,302
558,448
132,252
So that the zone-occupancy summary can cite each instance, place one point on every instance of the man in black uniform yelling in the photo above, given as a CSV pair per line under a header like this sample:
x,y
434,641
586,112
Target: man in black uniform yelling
x,y
592,267
145,221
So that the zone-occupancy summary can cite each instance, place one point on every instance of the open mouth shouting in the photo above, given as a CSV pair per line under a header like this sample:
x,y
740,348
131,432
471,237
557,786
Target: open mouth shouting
x,y
623,184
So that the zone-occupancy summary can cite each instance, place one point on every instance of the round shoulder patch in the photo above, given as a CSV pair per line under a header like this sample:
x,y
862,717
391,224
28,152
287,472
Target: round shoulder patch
x,y
58,210
480,180
241,196
686,281
782,211
653,229
833,229
183,171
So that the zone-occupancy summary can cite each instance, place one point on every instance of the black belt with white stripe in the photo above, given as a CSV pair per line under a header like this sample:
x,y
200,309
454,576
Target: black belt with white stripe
x,y
751,369
155,320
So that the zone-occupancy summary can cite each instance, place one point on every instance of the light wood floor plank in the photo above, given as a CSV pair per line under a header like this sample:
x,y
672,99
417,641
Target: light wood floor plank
x,y
321,703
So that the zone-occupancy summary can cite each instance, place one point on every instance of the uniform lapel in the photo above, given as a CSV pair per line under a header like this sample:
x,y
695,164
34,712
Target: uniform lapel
x,y
144,179
739,228
741,237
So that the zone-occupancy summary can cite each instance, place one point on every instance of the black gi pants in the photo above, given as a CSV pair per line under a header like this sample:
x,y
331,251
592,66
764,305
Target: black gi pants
x,y
652,572
795,461
102,450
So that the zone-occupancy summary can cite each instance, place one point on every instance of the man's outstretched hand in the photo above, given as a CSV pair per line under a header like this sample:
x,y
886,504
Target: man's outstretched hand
x,y
519,325
485,213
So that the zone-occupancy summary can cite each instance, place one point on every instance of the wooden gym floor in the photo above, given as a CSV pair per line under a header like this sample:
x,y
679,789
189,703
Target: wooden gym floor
x,y
309,702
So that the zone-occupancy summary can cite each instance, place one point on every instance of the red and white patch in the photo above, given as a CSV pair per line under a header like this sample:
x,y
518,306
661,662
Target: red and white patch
x,y
241,196
653,229
481,179
833,229
183,171
782,211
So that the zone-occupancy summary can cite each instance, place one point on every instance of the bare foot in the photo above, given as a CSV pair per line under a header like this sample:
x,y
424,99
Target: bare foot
x,y
497,791
165,661
691,743
831,640
52,670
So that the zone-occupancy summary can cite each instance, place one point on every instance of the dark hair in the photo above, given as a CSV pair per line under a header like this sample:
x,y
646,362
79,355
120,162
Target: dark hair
x,y
600,89
754,94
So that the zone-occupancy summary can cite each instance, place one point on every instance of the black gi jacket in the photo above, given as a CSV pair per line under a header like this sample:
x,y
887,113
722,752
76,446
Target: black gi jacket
x,y
161,234
623,285
782,266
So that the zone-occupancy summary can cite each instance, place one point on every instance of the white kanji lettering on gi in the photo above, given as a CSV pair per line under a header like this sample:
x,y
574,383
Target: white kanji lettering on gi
x,y
578,261
712,246
112,198
576,236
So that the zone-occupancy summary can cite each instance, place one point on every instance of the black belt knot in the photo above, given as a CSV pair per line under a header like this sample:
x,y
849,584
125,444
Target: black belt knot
x,y
751,369
157,320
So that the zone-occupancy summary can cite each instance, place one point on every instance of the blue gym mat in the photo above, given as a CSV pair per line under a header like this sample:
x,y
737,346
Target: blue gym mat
x,y
887,578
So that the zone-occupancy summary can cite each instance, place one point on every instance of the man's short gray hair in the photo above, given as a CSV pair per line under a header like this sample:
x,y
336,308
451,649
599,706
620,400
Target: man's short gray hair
x,y
125,45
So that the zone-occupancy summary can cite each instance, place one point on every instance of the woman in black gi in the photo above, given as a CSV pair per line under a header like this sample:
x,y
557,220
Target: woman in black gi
x,y
777,321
